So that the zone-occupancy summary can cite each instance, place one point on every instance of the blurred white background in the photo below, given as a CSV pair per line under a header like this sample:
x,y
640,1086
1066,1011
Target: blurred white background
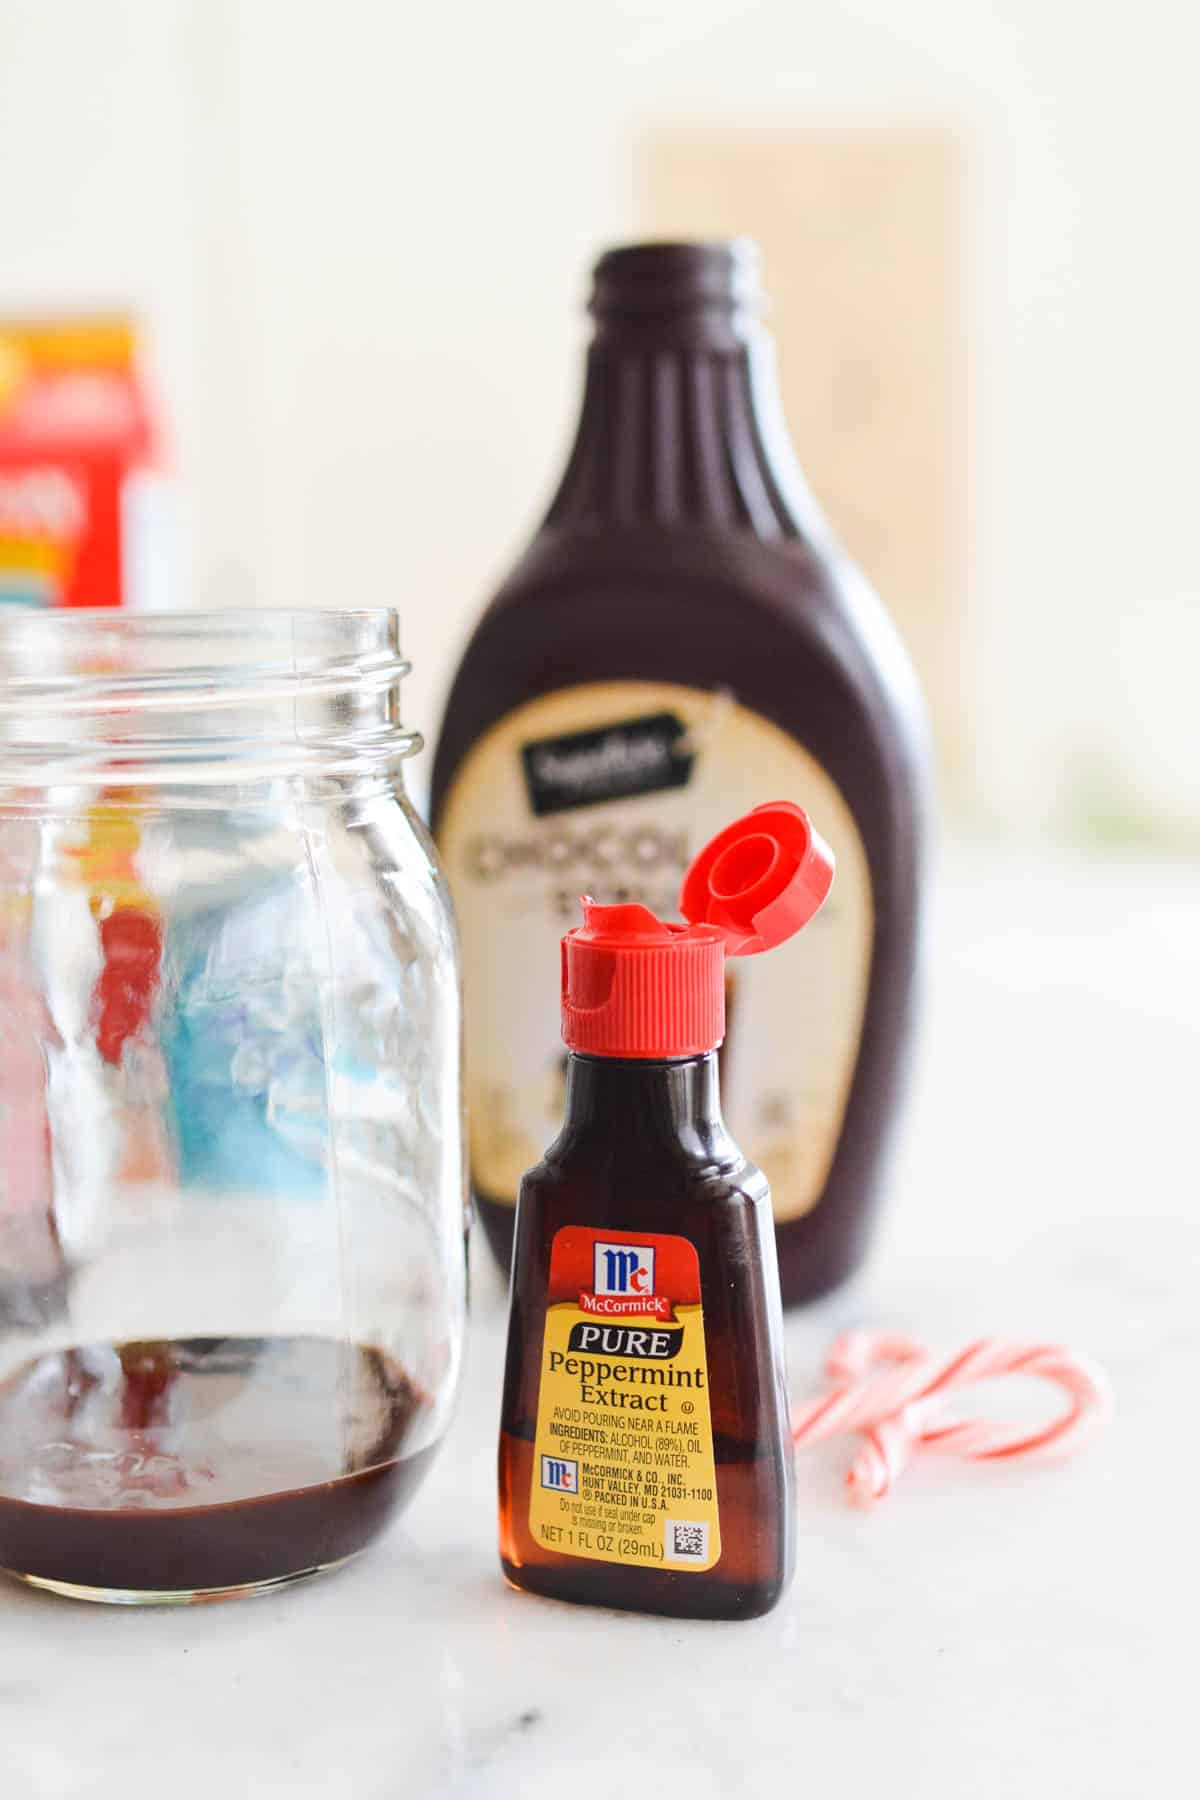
x,y
358,238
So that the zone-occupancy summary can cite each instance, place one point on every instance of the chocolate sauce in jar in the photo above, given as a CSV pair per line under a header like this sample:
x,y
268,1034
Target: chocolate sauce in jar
x,y
201,1465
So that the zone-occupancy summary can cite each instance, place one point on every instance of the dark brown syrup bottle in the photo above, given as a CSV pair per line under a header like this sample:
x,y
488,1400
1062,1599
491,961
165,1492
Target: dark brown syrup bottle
x,y
682,634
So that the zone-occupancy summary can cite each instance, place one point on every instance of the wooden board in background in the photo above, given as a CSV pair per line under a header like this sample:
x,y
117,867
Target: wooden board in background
x,y
861,239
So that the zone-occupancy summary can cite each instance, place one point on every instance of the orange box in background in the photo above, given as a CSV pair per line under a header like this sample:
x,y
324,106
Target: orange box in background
x,y
81,483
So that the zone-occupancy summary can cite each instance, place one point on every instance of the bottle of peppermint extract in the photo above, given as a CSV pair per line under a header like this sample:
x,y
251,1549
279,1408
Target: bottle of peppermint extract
x,y
645,1448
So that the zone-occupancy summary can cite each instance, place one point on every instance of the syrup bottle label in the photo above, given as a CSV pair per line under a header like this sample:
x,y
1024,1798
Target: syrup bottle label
x,y
623,1465
610,789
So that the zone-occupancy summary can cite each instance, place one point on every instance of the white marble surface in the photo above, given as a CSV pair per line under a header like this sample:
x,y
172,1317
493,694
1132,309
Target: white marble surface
x,y
989,1633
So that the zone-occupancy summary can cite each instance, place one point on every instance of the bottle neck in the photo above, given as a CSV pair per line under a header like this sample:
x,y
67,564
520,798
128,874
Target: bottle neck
x,y
646,1105
681,424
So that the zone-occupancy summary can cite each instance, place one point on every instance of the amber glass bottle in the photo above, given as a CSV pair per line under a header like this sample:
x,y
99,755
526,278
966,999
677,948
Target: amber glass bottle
x,y
644,1145
645,1452
680,634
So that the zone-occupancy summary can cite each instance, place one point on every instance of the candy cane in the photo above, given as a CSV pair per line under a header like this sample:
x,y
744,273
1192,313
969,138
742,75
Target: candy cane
x,y
889,1388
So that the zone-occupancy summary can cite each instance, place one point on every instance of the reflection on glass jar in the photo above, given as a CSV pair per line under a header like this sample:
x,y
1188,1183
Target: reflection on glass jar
x,y
232,1282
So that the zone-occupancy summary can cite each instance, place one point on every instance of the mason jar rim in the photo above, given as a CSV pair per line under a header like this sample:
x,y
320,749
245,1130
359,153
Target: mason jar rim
x,y
117,660
102,696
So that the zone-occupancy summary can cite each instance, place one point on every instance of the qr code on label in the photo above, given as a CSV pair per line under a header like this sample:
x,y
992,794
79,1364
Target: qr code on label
x,y
687,1541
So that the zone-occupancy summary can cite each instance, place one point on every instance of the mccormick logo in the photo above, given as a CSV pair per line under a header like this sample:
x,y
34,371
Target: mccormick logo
x,y
560,1474
616,762
623,1269
623,1283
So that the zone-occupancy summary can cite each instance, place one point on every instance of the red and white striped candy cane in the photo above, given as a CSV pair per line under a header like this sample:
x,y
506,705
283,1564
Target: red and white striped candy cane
x,y
894,1392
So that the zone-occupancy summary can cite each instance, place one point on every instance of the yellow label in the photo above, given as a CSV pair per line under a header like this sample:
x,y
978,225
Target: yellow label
x,y
623,1466
611,789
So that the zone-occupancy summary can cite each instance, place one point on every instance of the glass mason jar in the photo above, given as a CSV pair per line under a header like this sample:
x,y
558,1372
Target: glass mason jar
x,y
232,1281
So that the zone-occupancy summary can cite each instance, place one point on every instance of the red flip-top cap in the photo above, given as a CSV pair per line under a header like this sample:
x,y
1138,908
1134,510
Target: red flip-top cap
x,y
634,985
760,880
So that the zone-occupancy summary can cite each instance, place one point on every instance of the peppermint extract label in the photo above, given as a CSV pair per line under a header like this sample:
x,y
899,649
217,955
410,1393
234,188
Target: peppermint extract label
x,y
623,1467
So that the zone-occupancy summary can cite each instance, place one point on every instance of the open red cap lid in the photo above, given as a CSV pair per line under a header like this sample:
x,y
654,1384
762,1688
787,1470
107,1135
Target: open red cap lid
x,y
635,985
760,880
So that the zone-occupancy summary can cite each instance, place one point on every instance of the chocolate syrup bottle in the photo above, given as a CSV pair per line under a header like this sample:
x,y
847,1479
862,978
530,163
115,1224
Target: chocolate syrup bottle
x,y
645,1448
680,633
